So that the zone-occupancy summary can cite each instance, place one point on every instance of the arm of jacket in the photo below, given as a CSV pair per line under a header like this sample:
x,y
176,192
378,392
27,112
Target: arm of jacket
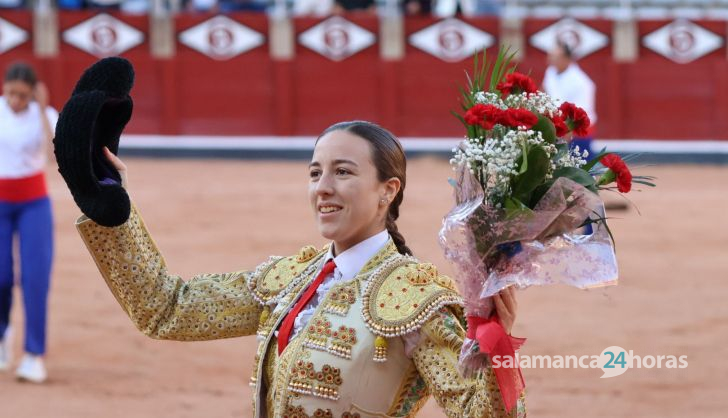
x,y
162,305
436,358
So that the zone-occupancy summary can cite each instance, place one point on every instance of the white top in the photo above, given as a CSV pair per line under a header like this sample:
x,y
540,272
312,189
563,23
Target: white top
x,y
312,7
348,264
22,142
574,86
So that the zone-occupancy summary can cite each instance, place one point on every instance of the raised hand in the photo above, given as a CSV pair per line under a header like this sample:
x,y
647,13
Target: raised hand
x,y
87,137
118,165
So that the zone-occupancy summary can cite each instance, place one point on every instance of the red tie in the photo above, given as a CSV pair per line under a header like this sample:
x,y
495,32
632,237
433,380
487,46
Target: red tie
x,y
284,333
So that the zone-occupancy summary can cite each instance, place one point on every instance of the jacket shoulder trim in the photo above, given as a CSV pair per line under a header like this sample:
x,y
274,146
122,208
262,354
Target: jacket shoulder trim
x,y
274,278
403,295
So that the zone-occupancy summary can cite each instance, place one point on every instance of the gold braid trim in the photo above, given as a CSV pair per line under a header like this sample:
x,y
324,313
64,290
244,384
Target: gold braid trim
x,y
273,279
403,294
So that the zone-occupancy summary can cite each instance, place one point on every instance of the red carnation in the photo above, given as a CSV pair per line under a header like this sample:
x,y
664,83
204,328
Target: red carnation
x,y
483,115
517,83
560,125
518,117
615,163
576,118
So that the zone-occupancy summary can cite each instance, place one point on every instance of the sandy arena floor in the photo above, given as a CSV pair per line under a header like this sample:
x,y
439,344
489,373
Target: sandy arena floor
x,y
211,216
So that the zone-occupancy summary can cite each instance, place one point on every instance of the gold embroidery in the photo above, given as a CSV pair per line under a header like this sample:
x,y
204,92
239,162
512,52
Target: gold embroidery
x,y
319,331
299,412
307,381
341,298
422,274
411,395
275,278
343,341
392,306
445,282
307,253
382,255
380,349
436,360
162,305
321,337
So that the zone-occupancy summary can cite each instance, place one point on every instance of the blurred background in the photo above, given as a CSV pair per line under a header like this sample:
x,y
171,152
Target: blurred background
x,y
229,96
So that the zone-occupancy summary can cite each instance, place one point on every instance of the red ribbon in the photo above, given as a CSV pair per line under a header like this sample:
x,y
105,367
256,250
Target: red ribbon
x,y
494,341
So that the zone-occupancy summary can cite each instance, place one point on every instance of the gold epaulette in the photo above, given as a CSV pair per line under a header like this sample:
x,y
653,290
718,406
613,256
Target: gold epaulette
x,y
402,300
273,279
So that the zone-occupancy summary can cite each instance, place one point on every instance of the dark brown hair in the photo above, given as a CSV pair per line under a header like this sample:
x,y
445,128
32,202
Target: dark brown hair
x,y
20,71
389,159
566,49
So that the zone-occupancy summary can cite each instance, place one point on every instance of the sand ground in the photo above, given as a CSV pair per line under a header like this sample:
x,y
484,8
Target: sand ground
x,y
213,215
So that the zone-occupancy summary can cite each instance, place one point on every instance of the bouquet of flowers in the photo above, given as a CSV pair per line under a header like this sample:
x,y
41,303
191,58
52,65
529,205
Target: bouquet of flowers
x,y
527,206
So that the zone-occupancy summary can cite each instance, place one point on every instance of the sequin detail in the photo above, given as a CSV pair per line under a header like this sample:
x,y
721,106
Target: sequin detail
x,y
392,306
341,298
307,381
422,274
320,336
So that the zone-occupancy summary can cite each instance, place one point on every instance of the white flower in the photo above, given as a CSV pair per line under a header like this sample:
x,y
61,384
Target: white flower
x,y
490,98
538,102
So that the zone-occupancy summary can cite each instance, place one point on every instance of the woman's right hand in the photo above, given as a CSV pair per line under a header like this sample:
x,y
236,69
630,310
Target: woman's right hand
x,y
118,165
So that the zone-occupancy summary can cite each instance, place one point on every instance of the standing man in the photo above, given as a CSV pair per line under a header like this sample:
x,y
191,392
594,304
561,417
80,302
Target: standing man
x,y
567,82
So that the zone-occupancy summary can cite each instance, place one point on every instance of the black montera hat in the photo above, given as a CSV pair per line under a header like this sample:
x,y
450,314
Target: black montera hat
x,y
93,118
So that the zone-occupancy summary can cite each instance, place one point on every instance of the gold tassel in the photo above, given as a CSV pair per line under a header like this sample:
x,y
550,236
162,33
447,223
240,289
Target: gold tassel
x,y
380,349
264,315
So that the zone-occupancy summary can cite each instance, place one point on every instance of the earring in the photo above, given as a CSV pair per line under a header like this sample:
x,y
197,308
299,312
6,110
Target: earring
x,y
382,201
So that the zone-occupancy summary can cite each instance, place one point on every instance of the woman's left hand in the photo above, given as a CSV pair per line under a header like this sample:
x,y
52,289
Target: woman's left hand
x,y
506,307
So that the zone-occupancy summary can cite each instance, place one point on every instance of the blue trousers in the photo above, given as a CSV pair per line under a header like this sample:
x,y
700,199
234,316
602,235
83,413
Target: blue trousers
x,y
32,222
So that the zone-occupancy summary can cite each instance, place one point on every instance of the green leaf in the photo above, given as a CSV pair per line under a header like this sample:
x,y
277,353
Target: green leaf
x,y
608,177
602,220
460,118
538,193
515,207
595,159
524,160
538,163
645,182
468,101
578,175
547,129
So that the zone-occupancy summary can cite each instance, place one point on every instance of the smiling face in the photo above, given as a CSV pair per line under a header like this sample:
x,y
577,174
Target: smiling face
x,y
18,94
345,191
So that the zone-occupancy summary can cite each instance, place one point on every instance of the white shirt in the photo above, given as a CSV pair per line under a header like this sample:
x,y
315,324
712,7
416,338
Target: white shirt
x,y
312,7
22,142
448,8
574,86
348,264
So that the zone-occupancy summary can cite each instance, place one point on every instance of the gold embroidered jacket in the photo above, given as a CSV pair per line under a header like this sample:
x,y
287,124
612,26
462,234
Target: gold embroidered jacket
x,y
349,361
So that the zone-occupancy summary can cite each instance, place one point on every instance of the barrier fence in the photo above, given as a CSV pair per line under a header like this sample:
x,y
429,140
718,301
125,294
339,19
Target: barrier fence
x,y
254,75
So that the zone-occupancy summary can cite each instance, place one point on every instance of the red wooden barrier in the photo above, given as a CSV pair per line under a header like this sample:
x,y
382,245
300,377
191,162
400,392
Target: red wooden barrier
x,y
253,94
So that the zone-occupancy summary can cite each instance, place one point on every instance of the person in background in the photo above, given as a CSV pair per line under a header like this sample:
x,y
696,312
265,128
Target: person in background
x,y
417,7
567,82
316,8
27,125
450,8
342,6
71,4
226,6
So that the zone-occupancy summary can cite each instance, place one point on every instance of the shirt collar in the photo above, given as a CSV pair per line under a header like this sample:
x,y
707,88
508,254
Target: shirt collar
x,y
351,261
